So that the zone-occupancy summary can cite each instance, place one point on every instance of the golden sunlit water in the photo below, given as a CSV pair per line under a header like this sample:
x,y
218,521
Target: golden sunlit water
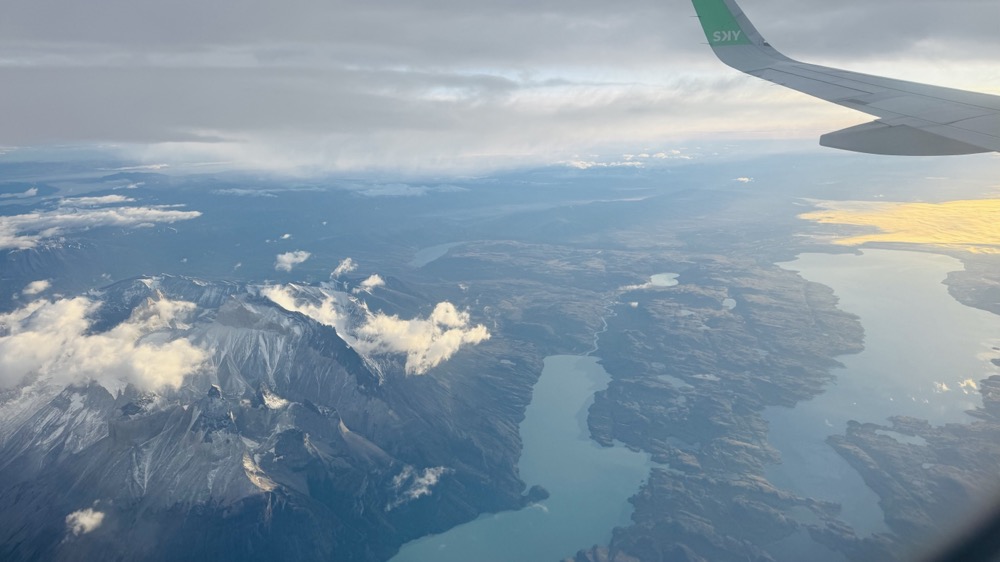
x,y
970,225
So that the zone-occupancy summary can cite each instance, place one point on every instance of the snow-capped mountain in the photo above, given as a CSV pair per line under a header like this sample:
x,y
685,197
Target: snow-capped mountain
x,y
229,427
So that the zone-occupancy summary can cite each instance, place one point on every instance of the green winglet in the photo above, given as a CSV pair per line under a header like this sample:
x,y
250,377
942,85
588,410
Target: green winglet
x,y
721,27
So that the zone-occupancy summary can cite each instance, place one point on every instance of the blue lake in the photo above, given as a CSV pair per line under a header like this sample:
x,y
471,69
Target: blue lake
x,y
589,484
923,353
431,253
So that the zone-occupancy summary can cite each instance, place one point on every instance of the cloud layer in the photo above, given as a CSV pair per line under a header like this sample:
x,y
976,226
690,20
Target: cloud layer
x,y
51,340
425,342
26,194
95,201
29,230
354,85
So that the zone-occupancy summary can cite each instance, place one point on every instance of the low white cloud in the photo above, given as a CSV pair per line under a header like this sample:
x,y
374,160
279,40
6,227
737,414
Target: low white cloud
x,y
26,194
95,201
402,189
84,521
286,236
241,192
588,164
327,311
288,260
743,179
425,342
36,287
152,167
410,484
346,266
672,154
969,386
19,232
394,190
658,281
371,283
52,340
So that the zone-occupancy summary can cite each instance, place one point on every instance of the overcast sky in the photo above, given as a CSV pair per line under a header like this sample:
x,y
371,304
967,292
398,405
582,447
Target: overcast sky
x,y
446,84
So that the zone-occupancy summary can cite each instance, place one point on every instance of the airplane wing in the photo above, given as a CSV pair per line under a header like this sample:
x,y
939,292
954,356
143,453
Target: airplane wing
x,y
913,119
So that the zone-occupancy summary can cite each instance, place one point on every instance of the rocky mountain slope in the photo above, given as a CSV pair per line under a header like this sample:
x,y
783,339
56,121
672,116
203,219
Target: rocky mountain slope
x,y
284,443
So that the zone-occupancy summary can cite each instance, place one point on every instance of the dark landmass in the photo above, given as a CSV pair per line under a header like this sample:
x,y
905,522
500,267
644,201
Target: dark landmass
x,y
691,378
697,412
931,480
552,262
978,285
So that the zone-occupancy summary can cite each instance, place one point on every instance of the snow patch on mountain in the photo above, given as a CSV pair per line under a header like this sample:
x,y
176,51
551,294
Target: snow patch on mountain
x,y
273,401
256,475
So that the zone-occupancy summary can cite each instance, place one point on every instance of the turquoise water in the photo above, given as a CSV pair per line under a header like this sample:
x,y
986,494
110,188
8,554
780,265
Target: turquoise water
x,y
432,253
920,346
589,484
